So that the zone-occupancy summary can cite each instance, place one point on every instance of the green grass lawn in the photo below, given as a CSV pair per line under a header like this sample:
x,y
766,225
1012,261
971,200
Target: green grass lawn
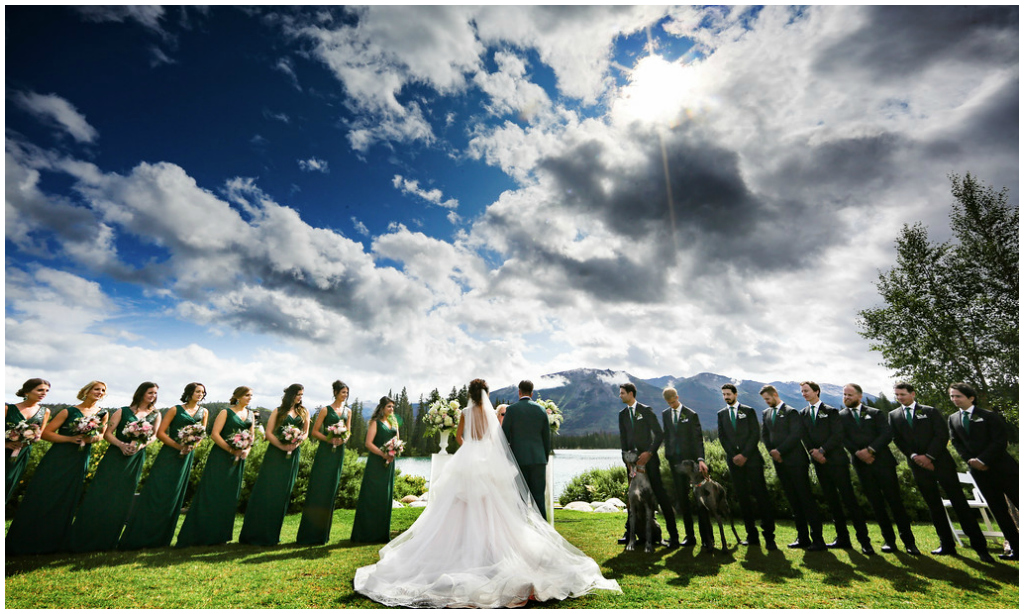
x,y
290,576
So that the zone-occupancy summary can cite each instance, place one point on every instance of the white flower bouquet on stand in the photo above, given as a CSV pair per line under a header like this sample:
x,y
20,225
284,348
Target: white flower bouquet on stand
x,y
443,417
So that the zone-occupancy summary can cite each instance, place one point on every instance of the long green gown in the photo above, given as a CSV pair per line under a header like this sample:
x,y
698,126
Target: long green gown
x,y
155,516
42,524
210,520
373,512
109,498
16,466
318,510
268,502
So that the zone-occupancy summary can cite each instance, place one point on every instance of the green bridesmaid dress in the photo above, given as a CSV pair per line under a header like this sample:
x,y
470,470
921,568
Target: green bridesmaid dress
x,y
155,516
373,512
210,520
42,524
16,465
109,498
268,502
318,509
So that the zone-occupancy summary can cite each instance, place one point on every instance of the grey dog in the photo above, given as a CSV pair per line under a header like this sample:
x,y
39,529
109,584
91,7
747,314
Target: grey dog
x,y
641,505
711,495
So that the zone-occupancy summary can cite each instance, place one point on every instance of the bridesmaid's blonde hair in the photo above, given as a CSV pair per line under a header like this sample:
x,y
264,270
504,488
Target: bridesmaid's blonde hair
x,y
88,388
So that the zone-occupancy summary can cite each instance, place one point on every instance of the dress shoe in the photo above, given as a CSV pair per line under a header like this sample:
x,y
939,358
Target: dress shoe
x,y
689,542
868,550
671,544
840,543
623,540
944,551
816,547
912,549
750,542
798,544
887,548
1008,556
709,550
985,557
770,546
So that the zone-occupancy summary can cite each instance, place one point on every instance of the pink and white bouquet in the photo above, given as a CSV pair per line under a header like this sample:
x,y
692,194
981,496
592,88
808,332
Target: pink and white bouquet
x,y
442,416
23,433
138,434
242,440
87,426
189,437
338,433
554,415
392,448
290,434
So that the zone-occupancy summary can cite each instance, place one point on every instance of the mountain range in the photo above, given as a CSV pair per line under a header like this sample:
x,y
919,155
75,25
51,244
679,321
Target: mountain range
x,y
589,398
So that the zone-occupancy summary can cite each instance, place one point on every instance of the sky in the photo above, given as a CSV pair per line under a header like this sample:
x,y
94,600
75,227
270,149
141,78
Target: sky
x,y
417,196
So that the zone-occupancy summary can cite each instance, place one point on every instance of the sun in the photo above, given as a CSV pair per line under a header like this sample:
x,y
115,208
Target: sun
x,y
658,92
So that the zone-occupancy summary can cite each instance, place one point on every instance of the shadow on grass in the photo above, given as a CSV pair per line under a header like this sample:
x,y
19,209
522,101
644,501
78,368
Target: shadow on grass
x,y
835,572
636,563
690,563
773,566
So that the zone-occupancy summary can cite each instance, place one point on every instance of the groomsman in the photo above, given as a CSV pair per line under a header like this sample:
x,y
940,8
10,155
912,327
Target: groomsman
x,y
684,440
979,436
739,433
823,437
920,432
866,435
640,432
782,431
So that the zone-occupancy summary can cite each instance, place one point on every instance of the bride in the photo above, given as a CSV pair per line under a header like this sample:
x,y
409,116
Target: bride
x,y
481,542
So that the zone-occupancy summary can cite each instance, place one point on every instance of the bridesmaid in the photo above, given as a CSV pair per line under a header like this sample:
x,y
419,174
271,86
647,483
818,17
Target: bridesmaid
x,y
211,515
268,502
42,524
109,499
155,516
318,510
29,410
373,511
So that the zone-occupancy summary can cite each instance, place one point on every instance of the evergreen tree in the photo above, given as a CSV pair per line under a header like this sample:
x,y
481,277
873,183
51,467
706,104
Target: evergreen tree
x,y
418,444
403,411
357,441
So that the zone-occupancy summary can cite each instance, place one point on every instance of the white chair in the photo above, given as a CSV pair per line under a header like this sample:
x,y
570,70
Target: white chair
x,y
977,501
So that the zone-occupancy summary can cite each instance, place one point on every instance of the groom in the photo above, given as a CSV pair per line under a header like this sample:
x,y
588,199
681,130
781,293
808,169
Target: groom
x,y
526,428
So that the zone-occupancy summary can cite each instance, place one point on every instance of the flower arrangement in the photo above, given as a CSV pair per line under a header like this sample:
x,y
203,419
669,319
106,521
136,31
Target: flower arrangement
x,y
338,433
392,448
290,434
242,440
138,434
442,416
554,415
23,433
189,437
86,426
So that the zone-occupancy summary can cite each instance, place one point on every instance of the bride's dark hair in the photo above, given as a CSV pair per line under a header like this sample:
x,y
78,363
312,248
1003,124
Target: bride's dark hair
x,y
476,390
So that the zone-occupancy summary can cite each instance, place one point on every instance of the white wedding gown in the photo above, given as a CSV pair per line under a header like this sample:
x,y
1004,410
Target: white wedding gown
x,y
481,541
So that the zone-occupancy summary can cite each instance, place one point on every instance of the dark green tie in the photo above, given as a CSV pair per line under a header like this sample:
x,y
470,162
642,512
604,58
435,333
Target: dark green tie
x,y
965,419
775,414
856,415
732,416
910,418
814,416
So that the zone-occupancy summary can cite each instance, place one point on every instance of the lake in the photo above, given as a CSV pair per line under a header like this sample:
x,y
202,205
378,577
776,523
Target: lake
x,y
567,465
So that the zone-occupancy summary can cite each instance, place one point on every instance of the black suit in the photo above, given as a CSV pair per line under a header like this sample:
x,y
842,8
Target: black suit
x,y
929,435
825,433
644,434
783,431
868,428
748,480
985,439
684,440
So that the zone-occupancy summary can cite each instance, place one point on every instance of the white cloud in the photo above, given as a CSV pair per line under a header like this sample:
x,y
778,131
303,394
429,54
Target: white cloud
x,y
148,16
159,57
435,196
281,117
314,164
360,227
285,66
51,107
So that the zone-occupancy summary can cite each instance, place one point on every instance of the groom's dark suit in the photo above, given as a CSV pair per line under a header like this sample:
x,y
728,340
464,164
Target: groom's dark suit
x,y
640,434
529,435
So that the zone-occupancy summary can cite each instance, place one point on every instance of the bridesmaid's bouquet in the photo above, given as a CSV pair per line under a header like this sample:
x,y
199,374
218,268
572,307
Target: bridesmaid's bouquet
x,y
337,431
189,437
23,434
442,416
86,426
242,440
392,448
291,434
554,415
138,434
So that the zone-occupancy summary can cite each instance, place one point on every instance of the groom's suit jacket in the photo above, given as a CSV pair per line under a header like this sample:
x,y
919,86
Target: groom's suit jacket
x,y
528,433
643,436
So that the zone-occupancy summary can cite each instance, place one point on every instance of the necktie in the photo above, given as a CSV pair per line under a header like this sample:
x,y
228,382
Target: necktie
x,y
732,415
676,412
910,416
775,414
814,414
965,419
857,415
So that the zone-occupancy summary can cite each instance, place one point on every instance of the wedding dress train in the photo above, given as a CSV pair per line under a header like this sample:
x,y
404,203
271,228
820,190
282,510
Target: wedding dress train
x,y
480,542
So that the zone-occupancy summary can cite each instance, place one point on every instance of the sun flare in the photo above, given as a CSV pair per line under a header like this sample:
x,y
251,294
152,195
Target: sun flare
x,y
659,92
